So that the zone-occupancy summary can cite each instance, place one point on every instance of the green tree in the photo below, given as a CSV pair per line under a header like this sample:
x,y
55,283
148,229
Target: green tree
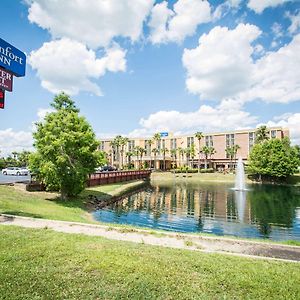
x,y
206,151
155,151
164,151
261,134
123,141
199,135
66,149
274,159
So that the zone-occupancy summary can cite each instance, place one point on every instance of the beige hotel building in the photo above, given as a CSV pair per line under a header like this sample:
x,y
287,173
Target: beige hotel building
x,y
219,141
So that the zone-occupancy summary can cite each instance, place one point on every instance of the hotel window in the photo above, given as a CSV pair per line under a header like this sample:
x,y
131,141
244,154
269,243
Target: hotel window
x,y
131,145
251,140
101,146
148,147
273,134
190,141
229,140
173,144
209,141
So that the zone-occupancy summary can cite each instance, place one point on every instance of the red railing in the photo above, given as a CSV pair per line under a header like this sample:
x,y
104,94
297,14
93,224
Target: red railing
x,y
116,176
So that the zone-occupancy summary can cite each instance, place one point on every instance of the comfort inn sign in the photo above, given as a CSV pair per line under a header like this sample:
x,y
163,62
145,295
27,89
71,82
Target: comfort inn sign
x,y
12,59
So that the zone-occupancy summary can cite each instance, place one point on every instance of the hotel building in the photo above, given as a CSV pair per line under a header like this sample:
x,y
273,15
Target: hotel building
x,y
219,141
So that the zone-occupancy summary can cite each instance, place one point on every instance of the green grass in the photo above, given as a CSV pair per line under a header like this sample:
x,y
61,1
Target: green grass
x,y
48,206
43,264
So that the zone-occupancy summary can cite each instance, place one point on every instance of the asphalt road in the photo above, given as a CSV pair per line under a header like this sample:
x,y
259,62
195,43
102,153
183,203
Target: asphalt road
x,y
12,179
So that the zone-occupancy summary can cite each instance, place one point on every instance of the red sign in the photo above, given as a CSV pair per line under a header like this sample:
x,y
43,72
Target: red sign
x,y
6,80
2,95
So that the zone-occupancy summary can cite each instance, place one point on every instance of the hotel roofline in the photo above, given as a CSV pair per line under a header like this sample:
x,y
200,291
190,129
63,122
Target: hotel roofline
x,y
171,135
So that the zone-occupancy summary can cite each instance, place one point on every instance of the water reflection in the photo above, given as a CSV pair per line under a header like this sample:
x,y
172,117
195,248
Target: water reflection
x,y
264,211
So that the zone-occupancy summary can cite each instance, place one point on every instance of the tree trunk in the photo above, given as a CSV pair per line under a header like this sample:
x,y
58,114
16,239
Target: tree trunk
x,y
199,158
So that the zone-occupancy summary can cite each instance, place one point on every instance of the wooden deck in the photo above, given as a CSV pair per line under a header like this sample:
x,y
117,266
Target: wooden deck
x,y
116,176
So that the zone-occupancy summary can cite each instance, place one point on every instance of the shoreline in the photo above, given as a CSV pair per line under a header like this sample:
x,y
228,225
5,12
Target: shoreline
x,y
206,244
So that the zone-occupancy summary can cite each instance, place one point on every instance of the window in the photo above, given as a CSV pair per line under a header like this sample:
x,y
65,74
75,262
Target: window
x,y
190,141
173,144
229,140
148,147
251,139
273,134
209,141
101,146
131,145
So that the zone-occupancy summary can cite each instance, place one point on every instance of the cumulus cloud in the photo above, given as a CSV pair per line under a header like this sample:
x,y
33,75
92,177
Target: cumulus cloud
x,y
260,5
11,140
221,66
295,22
226,7
67,65
276,76
227,115
291,121
174,25
95,22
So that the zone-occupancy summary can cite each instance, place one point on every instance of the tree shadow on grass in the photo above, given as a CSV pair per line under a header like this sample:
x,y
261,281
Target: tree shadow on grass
x,y
21,214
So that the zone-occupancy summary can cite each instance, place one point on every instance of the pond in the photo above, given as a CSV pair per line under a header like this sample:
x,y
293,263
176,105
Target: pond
x,y
264,211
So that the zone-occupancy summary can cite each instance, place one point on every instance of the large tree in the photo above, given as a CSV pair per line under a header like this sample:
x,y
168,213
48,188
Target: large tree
x,y
273,159
66,149
199,135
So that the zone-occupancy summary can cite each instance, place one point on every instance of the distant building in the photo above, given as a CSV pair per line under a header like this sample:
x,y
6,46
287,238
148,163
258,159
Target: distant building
x,y
219,141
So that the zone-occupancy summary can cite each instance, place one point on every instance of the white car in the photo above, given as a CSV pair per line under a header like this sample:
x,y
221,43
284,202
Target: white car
x,y
15,171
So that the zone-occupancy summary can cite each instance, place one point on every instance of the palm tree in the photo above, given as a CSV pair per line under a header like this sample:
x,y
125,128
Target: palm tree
x,y
173,153
199,136
136,152
150,143
142,151
181,155
205,150
155,151
164,151
122,142
235,149
212,151
113,145
192,153
187,152
129,154
230,152
157,138
261,134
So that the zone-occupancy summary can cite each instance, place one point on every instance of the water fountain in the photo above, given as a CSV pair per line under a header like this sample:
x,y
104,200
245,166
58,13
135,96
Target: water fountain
x,y
240,176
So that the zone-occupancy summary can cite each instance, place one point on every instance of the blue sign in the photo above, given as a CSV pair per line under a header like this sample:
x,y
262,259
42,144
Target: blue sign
x,y
12,59
164,134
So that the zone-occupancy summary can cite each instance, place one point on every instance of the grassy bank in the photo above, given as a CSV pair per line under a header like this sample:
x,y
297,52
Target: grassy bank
x,y
16,201
42,264
209,177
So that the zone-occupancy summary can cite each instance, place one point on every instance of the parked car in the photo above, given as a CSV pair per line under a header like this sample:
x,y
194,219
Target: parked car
x,y
108,169
15,171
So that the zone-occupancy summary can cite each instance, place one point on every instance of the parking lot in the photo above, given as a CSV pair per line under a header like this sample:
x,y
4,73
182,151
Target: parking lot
x,y
13,179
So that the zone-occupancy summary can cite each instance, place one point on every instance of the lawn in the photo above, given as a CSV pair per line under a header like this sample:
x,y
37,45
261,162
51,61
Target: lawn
x,y
16,201
43,264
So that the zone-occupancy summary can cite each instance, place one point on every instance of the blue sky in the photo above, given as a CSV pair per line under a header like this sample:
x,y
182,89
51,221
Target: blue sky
x,y
138,67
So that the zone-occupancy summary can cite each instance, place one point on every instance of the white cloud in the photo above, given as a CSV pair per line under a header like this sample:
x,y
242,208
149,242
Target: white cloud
x,y
95,22
175,25
295,22
67,65
11,140
291,121
42,112
226,7
260,5
277,30
227,115
276,76
221,66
